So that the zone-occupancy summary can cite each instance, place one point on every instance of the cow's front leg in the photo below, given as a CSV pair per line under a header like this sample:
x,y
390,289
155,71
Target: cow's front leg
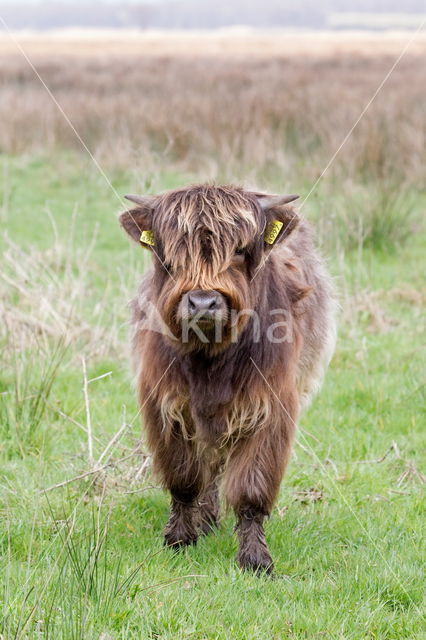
x,y
253,475
253,552
182,527
182,471
193,513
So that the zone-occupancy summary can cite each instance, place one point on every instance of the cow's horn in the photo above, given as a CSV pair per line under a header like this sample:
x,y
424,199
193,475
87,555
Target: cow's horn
x,y
142,200
266,202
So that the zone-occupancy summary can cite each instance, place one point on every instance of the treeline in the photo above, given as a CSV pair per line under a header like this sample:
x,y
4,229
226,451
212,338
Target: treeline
x,y
191,14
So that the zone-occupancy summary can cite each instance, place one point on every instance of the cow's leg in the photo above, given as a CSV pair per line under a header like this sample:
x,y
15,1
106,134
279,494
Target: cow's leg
x,y
183,474
182,470
196,512
209,507
182,527
254,471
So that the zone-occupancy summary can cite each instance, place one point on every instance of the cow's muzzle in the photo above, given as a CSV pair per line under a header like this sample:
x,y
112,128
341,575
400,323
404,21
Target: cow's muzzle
x,y
205,307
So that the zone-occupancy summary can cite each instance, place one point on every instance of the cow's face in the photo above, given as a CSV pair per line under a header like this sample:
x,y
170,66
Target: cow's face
x,y
209,243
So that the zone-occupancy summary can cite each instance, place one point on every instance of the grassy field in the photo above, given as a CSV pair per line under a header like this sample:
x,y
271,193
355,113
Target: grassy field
x,y
85,560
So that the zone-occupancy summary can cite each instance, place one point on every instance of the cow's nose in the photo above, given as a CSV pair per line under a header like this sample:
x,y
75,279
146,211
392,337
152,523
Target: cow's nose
x,y
200,302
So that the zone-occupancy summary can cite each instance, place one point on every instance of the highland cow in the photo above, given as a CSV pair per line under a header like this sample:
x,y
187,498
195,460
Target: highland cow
x,y
233,327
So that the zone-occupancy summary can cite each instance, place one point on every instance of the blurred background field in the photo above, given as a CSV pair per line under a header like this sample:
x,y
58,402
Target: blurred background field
x,y
240,105
157,110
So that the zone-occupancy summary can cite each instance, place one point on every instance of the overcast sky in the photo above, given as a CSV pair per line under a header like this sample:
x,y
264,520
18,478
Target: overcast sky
x,y
59,2
400,5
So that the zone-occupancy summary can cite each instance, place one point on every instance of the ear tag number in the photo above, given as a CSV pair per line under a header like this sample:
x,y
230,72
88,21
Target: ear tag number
x,y
272,231
147,237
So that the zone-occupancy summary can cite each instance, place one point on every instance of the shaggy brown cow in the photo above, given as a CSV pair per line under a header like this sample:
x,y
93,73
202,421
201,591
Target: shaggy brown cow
x,y
233,327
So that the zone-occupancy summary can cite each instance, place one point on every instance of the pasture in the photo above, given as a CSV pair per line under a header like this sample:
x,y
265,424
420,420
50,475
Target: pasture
x,y
80,515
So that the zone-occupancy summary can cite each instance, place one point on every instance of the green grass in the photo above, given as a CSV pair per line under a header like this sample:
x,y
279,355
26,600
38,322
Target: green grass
x,y
86,560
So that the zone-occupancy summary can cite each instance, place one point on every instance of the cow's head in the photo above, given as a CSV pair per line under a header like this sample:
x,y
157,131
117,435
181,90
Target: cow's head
x,y
209,242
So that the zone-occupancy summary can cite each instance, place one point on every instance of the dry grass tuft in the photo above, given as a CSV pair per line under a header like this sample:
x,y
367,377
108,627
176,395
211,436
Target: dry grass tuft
x,y
43,295
371,307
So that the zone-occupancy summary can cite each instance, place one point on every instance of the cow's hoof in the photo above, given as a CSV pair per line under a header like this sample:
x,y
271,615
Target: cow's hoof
x,y
257,561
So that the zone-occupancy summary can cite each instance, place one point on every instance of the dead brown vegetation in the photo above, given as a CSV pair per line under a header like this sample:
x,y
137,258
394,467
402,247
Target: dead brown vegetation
x,y
230,109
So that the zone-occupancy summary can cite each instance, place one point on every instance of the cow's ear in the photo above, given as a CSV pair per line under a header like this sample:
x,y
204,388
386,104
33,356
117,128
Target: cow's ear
x,y
137,222
281,218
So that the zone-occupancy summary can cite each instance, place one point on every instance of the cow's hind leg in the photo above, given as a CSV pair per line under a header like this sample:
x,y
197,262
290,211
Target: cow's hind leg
x,y
209,507
252,479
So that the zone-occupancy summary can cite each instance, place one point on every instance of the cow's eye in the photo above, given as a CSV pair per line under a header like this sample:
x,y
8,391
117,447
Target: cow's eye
x,y
239,251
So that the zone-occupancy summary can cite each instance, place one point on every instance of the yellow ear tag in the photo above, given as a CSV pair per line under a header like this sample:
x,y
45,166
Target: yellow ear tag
x,y
147,237
272,231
